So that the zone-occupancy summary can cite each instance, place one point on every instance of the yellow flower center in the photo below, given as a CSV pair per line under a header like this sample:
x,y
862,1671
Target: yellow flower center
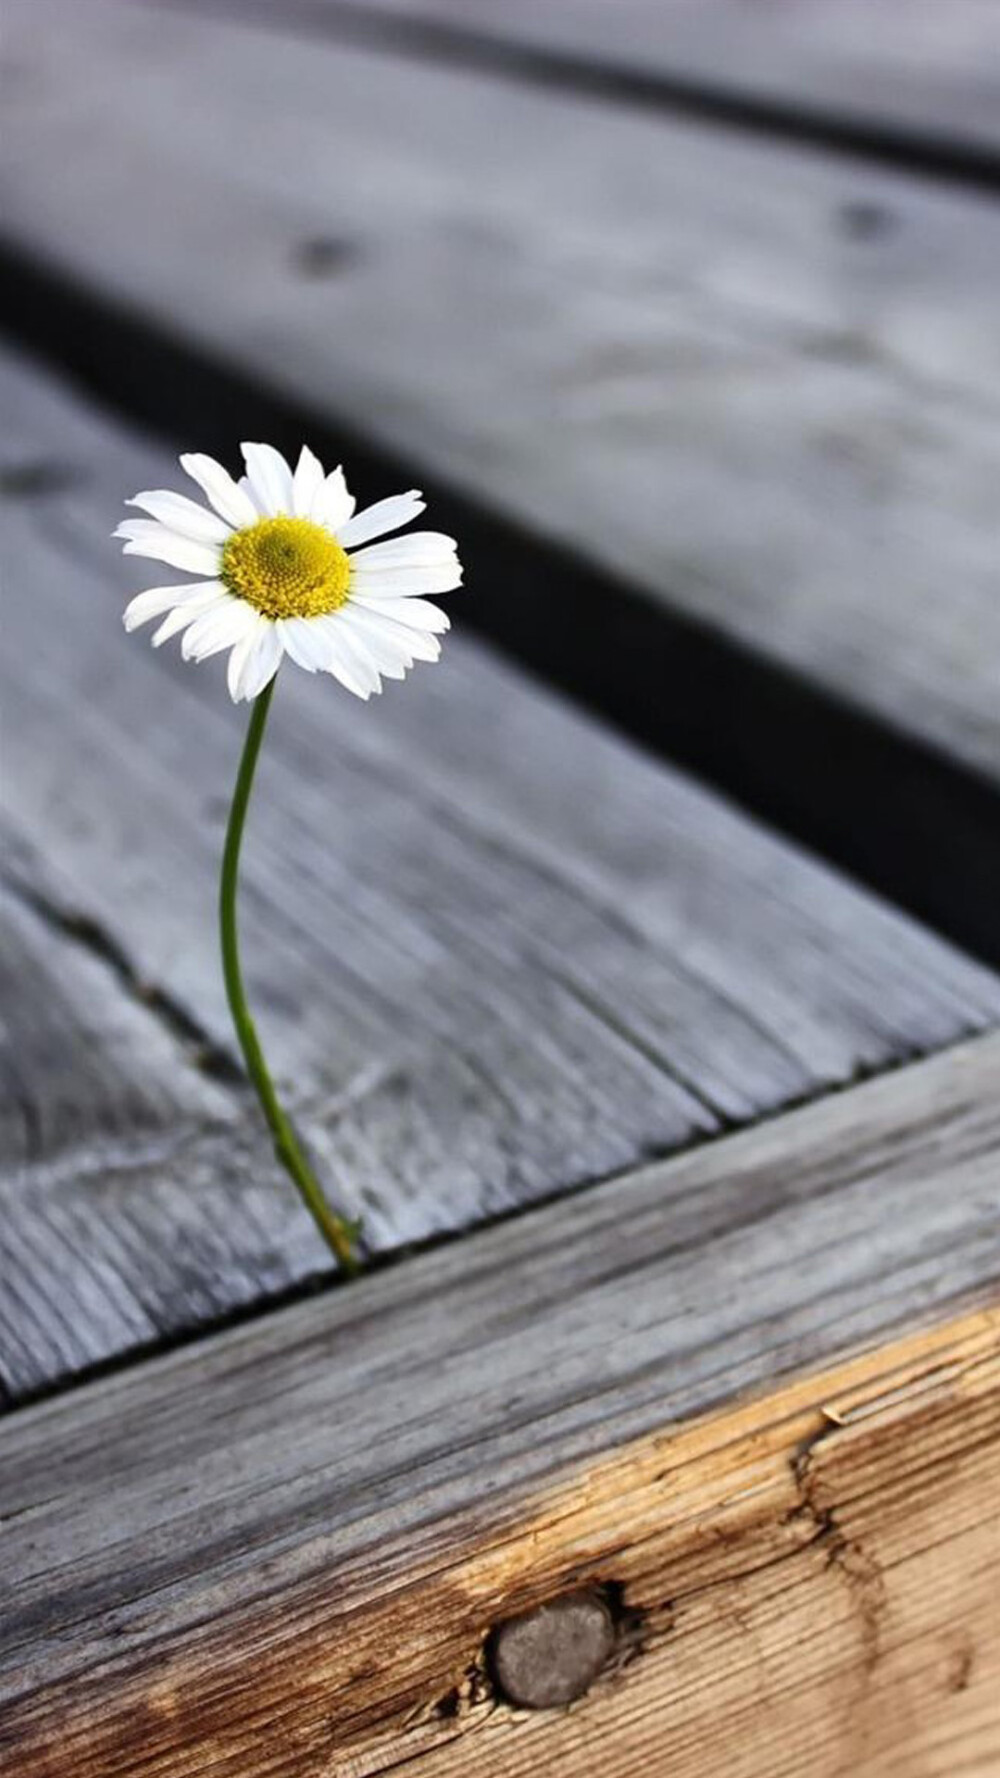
x,y
286,567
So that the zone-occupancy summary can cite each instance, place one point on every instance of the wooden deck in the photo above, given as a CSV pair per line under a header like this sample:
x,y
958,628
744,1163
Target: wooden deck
x,y
638,970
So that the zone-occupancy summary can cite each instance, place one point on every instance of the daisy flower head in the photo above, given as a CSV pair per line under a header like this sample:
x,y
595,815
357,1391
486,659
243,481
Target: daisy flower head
x,y
284,565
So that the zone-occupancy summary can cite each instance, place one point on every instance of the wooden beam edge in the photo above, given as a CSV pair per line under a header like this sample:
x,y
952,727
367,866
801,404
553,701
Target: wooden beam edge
x,y
232,1563
798,1510
344,1623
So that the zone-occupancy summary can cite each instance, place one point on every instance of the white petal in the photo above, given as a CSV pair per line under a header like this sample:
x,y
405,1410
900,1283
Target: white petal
x,y
347,651
222,626
420,614
183,515
147,538
402,583
385,515
306,642
158,599
405,644
306,482
270,479
185,614
263,661
230,501
349,663
236,664
418,549
333,505
387,658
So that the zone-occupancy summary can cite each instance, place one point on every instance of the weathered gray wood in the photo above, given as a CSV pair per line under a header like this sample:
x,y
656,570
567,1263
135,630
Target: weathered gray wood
x,y
762,387
496,953
913,66
199,1549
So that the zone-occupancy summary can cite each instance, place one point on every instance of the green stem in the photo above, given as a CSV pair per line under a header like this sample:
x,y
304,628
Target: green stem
x,y
336,1230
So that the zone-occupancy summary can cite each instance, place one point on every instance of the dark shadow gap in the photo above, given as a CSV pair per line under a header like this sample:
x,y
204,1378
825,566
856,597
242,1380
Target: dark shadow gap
x,y
920,829
930,152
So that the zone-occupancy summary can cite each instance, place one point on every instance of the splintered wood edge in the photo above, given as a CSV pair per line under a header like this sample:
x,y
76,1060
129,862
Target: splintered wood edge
x,y
818,1557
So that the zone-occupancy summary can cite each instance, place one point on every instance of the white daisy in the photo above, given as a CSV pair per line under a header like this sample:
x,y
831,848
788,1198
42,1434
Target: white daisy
x,y
284,565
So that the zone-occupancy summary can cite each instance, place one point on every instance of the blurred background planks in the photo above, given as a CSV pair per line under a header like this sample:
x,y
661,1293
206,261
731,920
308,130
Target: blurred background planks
x,y
746,389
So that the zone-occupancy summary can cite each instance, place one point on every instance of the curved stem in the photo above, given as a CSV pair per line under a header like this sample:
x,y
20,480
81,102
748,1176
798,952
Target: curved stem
x,y
336,1230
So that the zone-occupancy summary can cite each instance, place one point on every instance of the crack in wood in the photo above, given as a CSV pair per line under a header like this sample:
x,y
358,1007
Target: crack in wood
x,y
861,1572
202,1051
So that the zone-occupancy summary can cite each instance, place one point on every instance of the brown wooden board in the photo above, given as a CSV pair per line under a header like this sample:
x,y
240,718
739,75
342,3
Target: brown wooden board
x,y
751,1392
495,952
753,390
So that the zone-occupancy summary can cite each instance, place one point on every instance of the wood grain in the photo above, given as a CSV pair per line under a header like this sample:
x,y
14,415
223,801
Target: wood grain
x,y
761,387
281,1552
495,952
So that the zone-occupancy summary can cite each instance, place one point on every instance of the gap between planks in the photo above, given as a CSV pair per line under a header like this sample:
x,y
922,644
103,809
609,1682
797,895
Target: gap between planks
x,y
893,111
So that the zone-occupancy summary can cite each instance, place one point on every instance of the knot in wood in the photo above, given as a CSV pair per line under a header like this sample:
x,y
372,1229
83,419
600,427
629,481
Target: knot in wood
x,y
553,1654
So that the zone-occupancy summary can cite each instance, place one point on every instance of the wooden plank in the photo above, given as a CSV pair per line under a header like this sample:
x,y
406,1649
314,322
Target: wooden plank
x,y
756,389
496,953
902,70
315,1520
